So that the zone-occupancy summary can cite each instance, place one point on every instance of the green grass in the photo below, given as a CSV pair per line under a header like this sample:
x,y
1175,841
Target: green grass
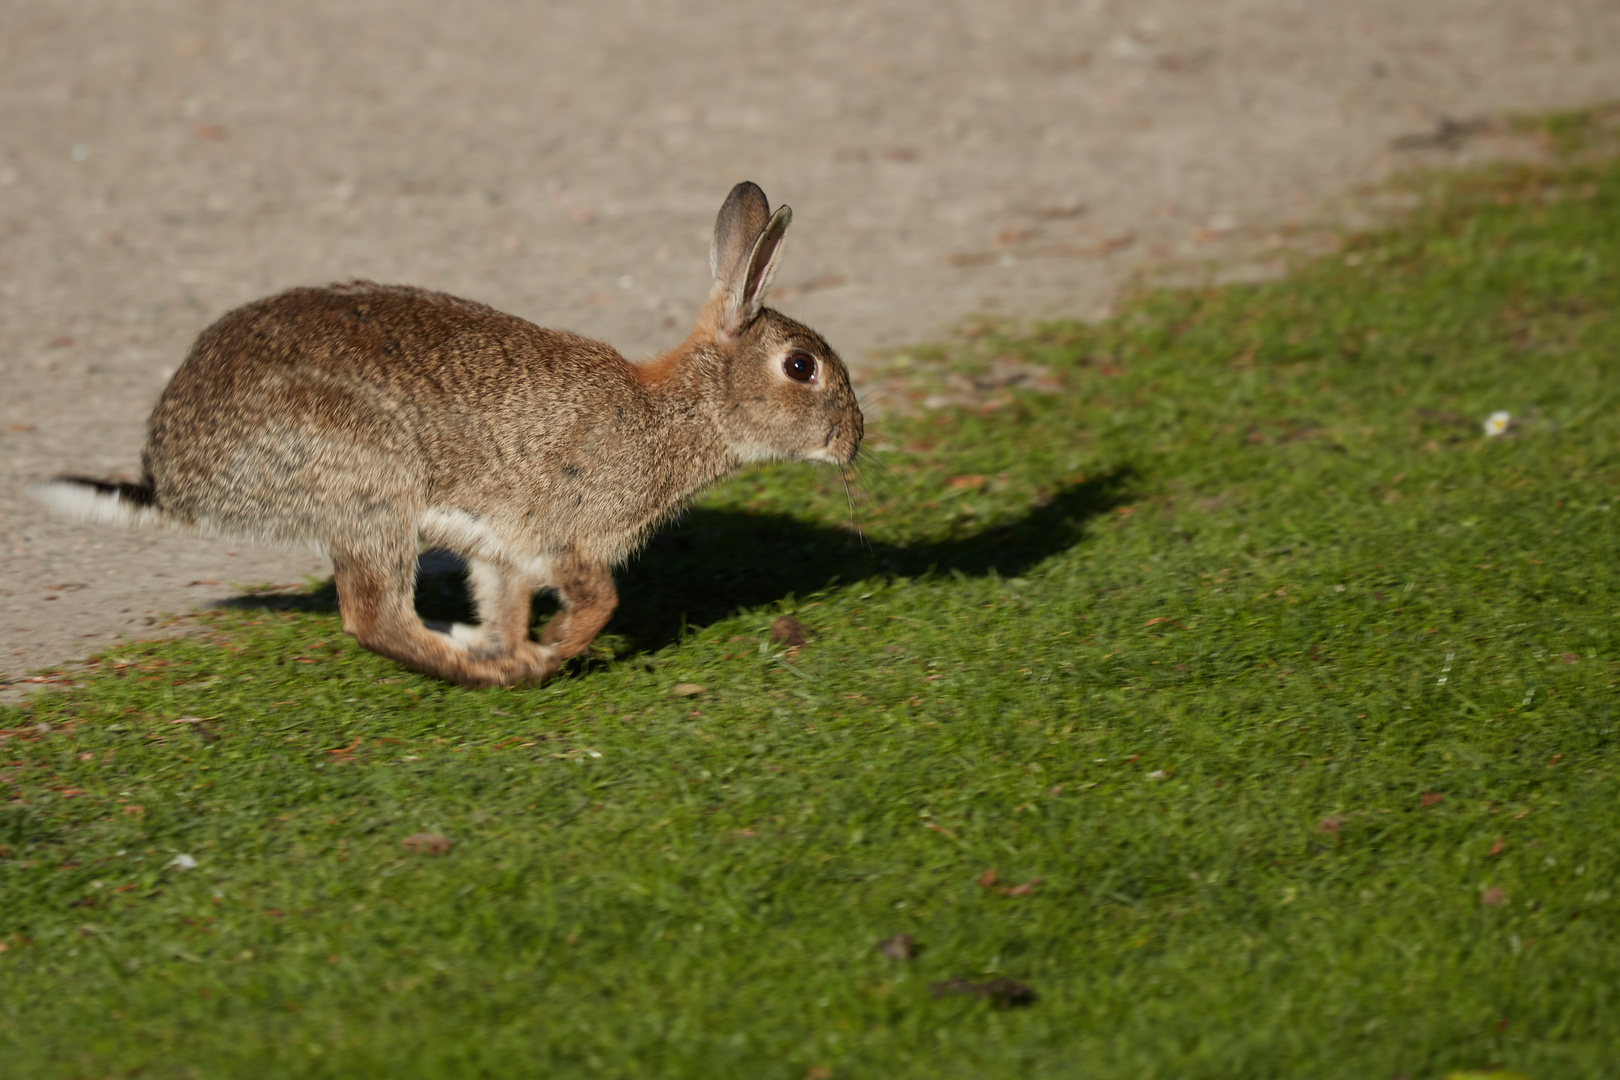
x,y
1250,647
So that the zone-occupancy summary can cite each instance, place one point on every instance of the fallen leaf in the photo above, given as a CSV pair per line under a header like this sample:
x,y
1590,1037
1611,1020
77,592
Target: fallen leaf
x,y
1496,848
899,947
988,878
1431,798
134,811
686,689
1329,825
425,843
1495,896
1002,992
787,630
972,481
939,829
1020,890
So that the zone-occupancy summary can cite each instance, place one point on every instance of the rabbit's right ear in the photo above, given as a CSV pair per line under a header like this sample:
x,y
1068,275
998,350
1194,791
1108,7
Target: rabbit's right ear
x,y
743,256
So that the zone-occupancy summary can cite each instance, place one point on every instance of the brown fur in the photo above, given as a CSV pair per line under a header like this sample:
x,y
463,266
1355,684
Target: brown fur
x,y
376,420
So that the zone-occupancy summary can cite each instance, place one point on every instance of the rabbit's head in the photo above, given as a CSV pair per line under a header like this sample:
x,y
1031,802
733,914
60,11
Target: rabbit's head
x,y
785,393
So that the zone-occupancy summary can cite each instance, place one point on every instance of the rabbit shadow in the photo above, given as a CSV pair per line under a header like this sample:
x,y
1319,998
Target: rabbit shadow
x,y
712,563
715,563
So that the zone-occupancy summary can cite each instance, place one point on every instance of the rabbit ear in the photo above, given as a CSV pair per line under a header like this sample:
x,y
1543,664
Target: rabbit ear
x,y
742,218
746,288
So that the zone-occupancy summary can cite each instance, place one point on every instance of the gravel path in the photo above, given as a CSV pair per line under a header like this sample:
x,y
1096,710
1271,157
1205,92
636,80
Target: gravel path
x,y
161,163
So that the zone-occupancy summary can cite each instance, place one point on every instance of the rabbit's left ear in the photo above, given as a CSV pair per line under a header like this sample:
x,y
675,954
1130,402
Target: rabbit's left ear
x,y
751,277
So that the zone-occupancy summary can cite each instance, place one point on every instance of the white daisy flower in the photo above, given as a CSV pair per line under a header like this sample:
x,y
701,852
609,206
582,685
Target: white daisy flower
x,y
1497,423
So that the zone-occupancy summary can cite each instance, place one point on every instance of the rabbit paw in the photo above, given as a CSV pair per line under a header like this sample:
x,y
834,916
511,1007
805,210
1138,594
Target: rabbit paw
x,y
529,662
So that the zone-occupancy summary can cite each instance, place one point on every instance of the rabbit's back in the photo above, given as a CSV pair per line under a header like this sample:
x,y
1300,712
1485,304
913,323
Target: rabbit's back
x,y
294,413
403,343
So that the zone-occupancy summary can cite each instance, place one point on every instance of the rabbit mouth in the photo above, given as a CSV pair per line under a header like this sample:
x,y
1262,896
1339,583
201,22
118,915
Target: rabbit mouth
x,y
832,449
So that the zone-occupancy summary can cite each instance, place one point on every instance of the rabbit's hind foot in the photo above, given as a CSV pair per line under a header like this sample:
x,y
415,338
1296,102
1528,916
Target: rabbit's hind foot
x,y
528,662
471,663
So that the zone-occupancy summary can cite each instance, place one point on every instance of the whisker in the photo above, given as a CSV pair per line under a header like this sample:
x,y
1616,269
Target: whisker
x,y
849,496
875,476
877,460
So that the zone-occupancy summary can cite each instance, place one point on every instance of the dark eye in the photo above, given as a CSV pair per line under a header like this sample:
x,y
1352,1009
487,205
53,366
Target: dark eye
x,y
799,366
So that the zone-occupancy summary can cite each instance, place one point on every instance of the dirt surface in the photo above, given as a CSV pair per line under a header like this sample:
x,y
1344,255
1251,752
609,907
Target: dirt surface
x,y
163,162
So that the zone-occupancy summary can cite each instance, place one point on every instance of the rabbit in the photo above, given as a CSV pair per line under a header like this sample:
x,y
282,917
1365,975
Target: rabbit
x,y
378,421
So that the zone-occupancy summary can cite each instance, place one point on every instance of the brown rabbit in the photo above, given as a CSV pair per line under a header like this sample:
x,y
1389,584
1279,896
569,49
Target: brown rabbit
x,y
377,421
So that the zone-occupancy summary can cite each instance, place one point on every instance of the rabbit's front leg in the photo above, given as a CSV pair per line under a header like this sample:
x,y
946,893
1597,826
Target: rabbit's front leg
x,y
588,599
505,599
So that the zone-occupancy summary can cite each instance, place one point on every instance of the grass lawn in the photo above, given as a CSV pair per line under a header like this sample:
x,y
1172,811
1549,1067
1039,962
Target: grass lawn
x,y
1243,702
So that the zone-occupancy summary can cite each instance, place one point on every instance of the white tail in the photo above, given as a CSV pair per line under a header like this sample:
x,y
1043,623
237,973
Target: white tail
x,y
110,504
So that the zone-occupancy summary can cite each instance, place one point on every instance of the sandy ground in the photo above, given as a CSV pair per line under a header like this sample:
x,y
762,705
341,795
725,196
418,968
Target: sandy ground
x,y
163,162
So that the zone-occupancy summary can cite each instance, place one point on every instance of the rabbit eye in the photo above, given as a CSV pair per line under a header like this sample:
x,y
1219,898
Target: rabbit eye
x,y
799,366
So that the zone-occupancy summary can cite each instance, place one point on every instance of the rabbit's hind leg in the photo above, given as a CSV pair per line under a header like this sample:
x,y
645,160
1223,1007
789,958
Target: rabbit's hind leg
x,y
588,599
376,596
